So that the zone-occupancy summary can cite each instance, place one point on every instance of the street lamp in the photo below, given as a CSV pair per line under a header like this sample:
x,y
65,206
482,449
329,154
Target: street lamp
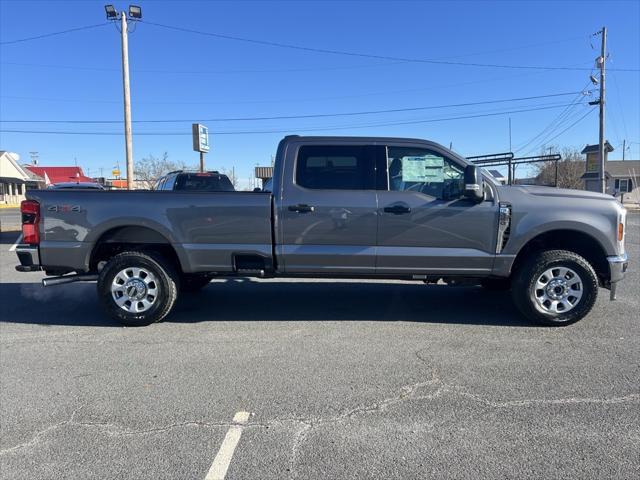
x,y
135,12
111,12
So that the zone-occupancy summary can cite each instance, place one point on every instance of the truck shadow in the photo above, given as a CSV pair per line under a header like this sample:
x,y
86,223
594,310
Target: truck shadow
x,y
244,300
346,301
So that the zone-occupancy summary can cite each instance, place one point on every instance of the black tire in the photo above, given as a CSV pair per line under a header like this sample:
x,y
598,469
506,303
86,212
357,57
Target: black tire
x,y
193,282
165,284
524,290
496,284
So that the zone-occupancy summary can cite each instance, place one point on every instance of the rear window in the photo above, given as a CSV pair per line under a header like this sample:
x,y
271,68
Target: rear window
x,y
204,183
335,167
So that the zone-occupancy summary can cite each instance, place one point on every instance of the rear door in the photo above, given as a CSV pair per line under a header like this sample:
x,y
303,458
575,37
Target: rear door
x,y
425,224
328,210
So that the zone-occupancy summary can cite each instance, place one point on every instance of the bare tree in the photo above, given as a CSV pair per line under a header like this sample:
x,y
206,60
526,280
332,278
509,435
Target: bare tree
x,y
231,173
150,169
570,169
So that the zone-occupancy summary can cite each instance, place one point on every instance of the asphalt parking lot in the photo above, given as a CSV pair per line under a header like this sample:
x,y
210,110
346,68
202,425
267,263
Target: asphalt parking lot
x,y
341,380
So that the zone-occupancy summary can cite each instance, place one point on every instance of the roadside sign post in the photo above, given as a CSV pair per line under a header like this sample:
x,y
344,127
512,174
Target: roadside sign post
x,y
200,135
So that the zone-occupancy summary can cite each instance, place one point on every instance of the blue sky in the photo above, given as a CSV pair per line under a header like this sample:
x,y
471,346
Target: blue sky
x,y
178,75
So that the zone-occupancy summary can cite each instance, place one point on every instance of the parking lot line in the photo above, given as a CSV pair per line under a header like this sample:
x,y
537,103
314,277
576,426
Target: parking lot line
x,y
220,465
13,247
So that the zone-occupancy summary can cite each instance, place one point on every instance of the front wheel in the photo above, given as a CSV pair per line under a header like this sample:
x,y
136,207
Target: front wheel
x,y
555,287
138,288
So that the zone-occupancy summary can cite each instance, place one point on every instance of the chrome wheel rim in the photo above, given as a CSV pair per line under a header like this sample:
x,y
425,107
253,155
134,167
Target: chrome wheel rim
x,y
558,290
135,290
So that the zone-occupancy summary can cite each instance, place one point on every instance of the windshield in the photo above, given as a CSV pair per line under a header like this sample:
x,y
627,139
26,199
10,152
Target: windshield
x,y
203,182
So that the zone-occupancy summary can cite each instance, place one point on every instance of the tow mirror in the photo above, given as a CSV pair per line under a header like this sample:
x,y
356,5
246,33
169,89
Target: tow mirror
x,y
473,184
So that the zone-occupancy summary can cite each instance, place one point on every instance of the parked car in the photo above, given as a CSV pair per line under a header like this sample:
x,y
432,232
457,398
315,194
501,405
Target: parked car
x,y
195,182
342,207
76,186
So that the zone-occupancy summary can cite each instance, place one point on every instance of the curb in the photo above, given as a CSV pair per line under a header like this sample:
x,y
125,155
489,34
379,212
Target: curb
x,y
4,205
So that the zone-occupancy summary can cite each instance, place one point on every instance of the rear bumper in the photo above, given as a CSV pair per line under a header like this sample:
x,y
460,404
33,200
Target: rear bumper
x,y
29,258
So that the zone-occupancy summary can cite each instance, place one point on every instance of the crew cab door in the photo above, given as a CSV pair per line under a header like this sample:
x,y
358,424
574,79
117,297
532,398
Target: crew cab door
x,y
425,224
327,218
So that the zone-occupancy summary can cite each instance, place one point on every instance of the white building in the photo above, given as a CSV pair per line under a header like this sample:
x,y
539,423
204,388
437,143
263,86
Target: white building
x,y
13,179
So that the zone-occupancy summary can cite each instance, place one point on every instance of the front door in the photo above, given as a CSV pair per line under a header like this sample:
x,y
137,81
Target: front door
x,y
426,225
328,217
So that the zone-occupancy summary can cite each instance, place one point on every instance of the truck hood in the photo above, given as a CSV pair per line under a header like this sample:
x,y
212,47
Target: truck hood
x,y
559,192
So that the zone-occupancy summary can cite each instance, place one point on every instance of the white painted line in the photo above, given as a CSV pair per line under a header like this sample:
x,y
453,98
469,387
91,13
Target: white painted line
x,y
222,461
13,247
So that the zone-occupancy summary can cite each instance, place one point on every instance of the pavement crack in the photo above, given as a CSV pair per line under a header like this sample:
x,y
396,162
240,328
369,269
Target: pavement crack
x,y
630,398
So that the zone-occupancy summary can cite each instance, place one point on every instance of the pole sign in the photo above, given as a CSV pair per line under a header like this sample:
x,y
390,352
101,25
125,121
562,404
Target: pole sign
x,y
200,138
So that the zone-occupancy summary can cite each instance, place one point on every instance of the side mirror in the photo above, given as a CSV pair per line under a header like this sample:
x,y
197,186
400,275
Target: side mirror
x,y
473,184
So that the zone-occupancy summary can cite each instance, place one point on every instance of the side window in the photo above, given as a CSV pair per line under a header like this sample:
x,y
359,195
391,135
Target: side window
x,y
159,184
424,171
170,181
335,167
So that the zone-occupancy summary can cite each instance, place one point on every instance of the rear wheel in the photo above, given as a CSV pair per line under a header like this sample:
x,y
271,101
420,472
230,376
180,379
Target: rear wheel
x,y
137,288
555,287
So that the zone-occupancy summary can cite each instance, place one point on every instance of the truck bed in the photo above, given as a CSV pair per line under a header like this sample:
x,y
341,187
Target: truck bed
x,y
205,229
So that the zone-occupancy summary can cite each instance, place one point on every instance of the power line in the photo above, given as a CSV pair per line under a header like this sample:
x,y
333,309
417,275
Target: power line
x,y
47,35
572,125
207,72
556,121
367,55
297,128
291,117
278,70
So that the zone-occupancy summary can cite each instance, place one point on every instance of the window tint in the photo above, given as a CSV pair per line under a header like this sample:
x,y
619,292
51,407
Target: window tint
x,y
424,171
169,181
204,182
160,184
334,167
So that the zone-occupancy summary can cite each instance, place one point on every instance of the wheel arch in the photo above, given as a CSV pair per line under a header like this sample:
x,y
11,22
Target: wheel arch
x,y
575,241
134,237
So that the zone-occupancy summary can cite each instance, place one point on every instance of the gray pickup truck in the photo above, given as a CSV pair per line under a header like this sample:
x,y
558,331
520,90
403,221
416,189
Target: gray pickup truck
x,y
341,207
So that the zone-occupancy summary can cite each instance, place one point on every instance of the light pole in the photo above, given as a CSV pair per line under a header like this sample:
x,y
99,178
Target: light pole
x,y
135,13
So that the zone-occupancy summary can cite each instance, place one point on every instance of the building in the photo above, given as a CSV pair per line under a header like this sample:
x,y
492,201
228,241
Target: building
x,y
498,176
591,175
621,175
15,179
53,175
623,181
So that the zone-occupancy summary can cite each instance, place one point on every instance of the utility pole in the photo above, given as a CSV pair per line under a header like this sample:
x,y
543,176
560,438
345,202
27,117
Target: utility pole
x,y
624,148
127,99
135,14
510,173
602,61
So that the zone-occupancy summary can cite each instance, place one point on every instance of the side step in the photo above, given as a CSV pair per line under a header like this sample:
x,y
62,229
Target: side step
x,y
51,281
250,272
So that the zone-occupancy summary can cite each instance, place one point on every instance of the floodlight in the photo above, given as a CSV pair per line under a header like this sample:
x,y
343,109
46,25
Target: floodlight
x,y
111,12
594,80
135,12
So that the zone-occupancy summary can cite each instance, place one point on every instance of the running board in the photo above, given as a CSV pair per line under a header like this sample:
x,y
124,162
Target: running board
x,y
250,272
51,281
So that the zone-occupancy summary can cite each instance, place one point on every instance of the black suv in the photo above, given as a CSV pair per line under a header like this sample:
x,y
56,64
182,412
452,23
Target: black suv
x,y
195,182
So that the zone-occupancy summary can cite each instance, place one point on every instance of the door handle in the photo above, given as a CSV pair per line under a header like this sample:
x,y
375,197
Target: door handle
x,y
397,209
301,208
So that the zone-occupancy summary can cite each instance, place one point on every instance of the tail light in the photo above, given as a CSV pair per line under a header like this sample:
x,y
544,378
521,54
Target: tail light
x,y
30,210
